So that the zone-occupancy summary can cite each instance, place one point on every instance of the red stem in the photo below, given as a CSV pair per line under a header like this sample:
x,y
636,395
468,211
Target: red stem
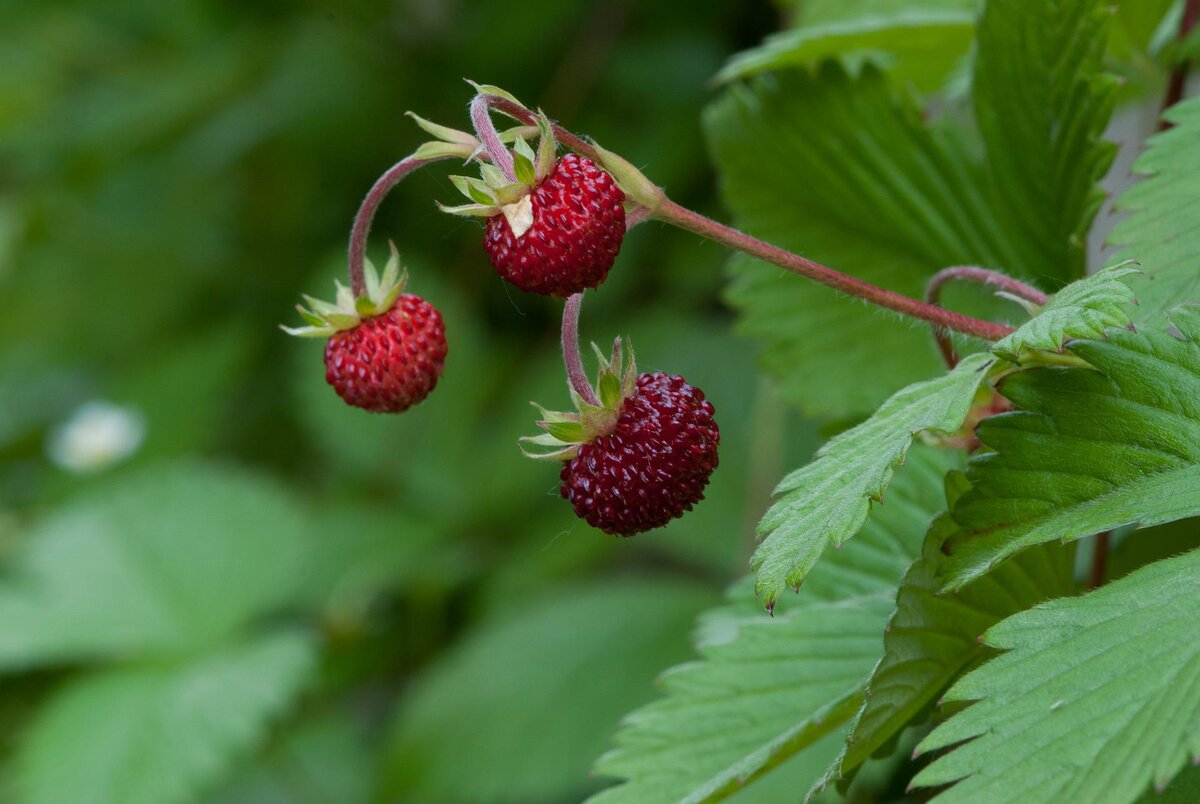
x,y
672,213
485,130
970,273
706,227
570,349
361,227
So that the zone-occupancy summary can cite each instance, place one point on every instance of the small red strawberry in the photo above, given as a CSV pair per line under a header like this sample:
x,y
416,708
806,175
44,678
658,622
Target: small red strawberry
x,y
386,349
640,459
557,230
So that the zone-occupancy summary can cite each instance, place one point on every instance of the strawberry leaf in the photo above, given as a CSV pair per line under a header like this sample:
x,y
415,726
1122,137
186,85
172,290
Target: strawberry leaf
x,y
1087,450
1083,309
1096,699
826,502
931,638
1161,232
919,42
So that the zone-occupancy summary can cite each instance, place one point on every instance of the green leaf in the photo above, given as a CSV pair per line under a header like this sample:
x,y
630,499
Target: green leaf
x,y
1097,698
1042,102
159,733
827,501
166,560
919,42
1161,232
1083,309
1088,449
766,688
931,638
586,654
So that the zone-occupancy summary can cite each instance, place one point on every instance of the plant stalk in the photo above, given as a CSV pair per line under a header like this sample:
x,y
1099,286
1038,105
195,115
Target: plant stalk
x,y
971,273
572,358
485,130
361,228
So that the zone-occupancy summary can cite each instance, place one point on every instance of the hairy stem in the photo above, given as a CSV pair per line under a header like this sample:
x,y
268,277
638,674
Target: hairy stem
x,y
361,227
670,212
971,273
570,349
1178,80
485,130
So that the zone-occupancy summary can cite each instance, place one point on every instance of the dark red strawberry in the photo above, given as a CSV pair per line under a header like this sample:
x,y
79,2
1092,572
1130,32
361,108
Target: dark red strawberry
x,y
639,458
653,466
386,349
578,226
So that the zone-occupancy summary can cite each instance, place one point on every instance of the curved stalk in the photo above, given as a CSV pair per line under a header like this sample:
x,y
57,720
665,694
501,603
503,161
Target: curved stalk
x,y
971,273
572,358
486,131
361,227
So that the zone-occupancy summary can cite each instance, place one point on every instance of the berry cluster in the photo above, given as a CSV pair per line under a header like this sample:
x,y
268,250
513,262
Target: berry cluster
x,y
639,450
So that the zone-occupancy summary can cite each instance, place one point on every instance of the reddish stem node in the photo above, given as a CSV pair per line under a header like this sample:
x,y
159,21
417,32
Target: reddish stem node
x,y
572,358
971,273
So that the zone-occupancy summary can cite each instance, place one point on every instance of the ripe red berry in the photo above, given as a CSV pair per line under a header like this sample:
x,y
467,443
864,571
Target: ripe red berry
x,y
389,362
386,348
654,464
578,226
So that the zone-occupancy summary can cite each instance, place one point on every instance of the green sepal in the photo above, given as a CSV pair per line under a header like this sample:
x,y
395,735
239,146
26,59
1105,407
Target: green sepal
x,y
470,210
547,152
566,431
444,133
489,89
523,159
633,182
348,312
610,390
441,150
449,142
475,189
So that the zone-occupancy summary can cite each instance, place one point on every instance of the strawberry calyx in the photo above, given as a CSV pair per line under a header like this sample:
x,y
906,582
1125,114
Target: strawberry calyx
x,y
347,312
566,431
495,194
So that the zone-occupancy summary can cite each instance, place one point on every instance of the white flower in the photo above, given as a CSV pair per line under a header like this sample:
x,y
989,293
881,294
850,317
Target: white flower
x,y
97,435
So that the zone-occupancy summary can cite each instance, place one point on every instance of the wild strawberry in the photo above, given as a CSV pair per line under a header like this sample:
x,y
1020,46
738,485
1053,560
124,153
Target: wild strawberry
x,y
386,349
556,230
640,459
